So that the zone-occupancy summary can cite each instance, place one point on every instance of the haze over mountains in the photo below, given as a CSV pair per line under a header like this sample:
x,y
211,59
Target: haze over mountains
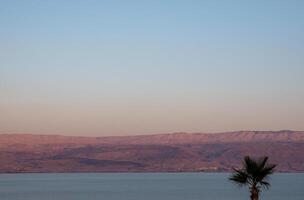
x,y
149,153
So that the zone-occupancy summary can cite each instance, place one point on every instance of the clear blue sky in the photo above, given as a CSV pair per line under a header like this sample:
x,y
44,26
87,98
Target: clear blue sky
x,y
137,67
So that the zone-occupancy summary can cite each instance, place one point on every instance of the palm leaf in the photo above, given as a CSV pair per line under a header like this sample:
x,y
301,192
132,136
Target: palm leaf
x,y
265,184
250,166
265,172
239,177
262,162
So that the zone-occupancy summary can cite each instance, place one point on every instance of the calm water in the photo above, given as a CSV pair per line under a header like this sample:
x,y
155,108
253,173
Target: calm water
x,y
140,186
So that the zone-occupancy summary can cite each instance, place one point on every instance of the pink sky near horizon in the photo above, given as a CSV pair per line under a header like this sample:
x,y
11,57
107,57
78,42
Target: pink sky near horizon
x,y
98,68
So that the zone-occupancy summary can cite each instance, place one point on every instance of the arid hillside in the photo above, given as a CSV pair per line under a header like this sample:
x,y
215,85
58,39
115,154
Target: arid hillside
x,y
149,153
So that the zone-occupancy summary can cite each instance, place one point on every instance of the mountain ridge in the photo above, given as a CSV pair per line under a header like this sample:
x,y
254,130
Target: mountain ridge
x,y
166,138
177,152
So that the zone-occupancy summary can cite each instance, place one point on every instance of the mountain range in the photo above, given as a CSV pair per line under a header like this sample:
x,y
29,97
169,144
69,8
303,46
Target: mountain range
x,y
176,152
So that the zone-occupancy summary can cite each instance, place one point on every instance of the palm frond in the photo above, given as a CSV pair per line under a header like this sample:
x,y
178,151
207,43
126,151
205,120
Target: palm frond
x,y
265,172
240,177
250,166
255,174
262,162
265,184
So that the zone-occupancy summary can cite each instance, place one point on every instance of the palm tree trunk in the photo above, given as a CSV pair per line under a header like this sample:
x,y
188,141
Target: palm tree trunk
x,y
254,193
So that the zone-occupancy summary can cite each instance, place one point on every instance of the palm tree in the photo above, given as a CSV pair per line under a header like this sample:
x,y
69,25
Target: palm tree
x,y
255,174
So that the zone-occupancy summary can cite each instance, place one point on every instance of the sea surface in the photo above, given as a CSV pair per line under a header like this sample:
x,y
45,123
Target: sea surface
x,y
141,186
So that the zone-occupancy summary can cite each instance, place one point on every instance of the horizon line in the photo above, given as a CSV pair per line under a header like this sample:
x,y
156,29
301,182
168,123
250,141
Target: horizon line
x,y
169,133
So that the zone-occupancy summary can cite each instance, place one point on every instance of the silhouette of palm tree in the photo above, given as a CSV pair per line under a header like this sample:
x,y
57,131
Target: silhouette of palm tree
x,y
255,174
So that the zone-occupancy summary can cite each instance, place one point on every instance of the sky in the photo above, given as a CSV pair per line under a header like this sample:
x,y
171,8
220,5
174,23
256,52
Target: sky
x,y
98,68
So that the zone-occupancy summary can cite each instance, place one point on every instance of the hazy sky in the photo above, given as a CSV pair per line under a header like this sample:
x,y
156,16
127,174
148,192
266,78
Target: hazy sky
x,y
141,67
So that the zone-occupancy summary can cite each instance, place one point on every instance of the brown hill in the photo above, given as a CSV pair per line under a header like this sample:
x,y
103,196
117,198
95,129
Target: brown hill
x,y
163,152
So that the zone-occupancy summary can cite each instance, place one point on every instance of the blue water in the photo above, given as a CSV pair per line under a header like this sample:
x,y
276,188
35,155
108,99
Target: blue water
x,y
141,186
